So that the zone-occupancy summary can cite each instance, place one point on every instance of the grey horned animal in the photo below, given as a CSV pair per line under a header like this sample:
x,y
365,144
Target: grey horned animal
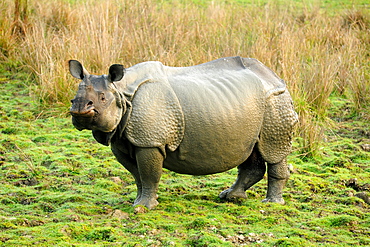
x,y
197,120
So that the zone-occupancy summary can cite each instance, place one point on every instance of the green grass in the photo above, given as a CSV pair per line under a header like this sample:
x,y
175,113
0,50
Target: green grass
x,y
330,5
60,188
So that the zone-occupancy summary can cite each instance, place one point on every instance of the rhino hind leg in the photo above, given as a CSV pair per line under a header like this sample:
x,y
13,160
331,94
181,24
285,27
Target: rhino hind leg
x,y
276,141
249,173
278,175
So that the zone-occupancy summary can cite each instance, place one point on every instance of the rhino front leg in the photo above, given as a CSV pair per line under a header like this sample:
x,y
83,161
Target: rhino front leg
x,y
249,173
278,175
131,166
150,164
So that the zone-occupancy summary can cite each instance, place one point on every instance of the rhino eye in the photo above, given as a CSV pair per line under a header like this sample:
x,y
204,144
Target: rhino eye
x,y
102,97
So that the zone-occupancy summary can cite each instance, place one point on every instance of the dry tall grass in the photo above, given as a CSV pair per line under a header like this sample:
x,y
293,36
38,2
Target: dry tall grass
x,y
317,53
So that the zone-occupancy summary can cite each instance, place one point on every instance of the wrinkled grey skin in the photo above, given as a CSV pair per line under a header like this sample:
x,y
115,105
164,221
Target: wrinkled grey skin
x,y
196,120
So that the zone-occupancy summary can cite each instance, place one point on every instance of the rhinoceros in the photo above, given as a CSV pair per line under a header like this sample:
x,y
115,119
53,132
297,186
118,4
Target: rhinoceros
x,y
199,120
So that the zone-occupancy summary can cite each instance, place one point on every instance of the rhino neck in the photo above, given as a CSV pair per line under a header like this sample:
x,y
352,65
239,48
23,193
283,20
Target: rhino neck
x,y
123,103
125,118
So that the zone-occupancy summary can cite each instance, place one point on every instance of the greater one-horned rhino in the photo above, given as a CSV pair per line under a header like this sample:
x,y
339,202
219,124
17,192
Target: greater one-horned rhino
x,y
197,120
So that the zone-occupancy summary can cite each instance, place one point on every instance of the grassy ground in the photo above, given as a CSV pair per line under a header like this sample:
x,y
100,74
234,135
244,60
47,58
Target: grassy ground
x,y
60,188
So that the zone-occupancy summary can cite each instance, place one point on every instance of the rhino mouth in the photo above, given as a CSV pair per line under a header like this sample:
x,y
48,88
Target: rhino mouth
x,y
87,114
84,120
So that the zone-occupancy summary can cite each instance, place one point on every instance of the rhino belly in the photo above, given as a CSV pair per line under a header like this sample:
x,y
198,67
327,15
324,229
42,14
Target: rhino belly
x,y
223,119
215,143
196,159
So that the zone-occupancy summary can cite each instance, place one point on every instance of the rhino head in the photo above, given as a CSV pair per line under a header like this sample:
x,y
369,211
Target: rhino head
x,y
98,105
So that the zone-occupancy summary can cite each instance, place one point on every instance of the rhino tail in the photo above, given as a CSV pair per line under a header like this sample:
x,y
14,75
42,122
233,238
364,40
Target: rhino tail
x,y
275,91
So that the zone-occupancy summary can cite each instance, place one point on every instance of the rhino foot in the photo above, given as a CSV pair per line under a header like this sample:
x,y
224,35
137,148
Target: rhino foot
x,y
138,199
231,194
150,203
279,200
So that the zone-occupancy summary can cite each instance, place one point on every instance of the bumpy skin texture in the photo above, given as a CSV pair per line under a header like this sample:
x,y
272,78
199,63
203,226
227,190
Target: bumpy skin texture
x,y
276,132
161,120
196,120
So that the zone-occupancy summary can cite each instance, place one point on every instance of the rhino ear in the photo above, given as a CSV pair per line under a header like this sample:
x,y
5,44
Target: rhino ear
x,y
77,70
116,72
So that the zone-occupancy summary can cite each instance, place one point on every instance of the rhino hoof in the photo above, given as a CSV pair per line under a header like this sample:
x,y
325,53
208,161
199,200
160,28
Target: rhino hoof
x,y
275,200
230,194
148,203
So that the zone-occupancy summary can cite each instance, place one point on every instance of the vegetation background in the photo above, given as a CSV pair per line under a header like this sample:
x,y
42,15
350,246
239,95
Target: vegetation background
x,y
60,188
